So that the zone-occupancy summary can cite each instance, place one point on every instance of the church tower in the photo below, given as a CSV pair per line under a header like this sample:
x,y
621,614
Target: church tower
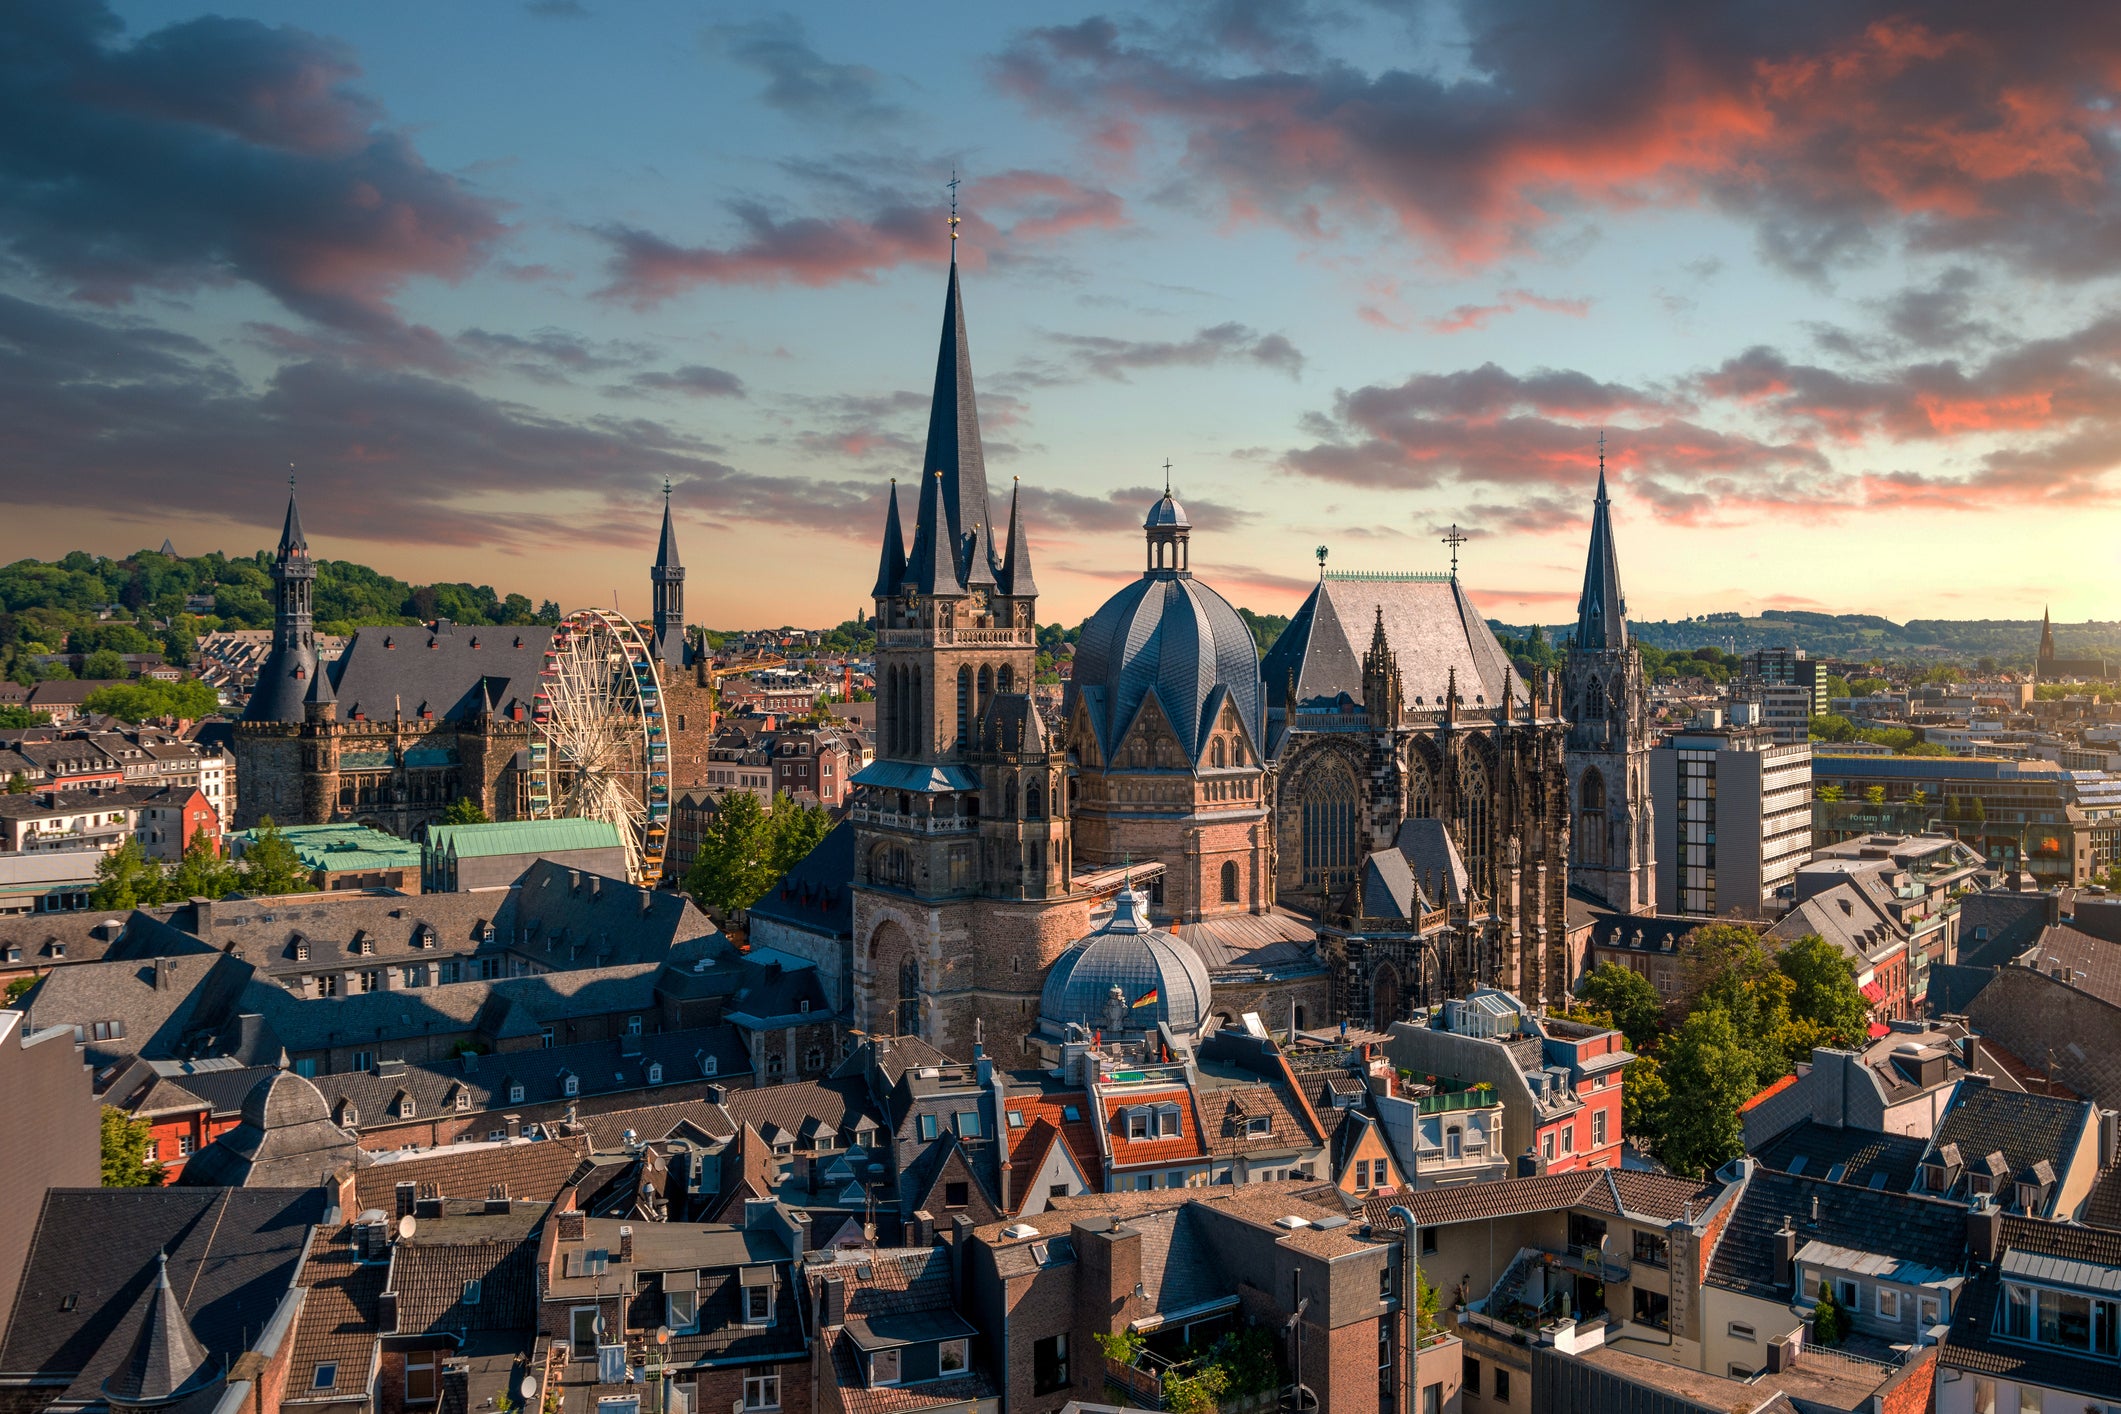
x,y
667,581
961,823
283,681
1612,854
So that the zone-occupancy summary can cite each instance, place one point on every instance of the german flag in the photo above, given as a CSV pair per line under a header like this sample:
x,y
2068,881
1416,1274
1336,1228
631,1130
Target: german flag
x,y
1148,998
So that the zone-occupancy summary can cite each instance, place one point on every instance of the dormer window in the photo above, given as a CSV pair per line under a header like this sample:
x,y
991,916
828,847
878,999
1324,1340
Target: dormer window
x,y
463,1098
709,1064
572,1085
407,1107
1167,1120
1259,1124
1140,1124
515,1094
655,1073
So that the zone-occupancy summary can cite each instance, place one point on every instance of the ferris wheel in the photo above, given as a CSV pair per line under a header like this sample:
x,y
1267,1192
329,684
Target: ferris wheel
x,y
600,750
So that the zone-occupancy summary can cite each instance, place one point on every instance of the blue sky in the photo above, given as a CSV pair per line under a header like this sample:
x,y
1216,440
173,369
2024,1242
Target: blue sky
x,y
1837,280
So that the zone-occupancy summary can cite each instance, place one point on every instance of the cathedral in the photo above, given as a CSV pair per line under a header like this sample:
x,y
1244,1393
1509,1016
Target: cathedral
x,y
1380,813
411,718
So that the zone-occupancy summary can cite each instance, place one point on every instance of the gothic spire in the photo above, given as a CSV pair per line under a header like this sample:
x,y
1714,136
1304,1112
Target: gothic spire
x,y
957,511
666,552
930,568
1601,612
292,540
891,562
166,1356
1016,574
2047,634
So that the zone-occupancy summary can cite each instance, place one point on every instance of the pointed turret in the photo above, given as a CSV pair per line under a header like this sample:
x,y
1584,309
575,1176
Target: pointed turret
x,y
292,540
166,1361
2047,634
958,510
1601,612
891,562
1016,573
930,568
321,702
666,584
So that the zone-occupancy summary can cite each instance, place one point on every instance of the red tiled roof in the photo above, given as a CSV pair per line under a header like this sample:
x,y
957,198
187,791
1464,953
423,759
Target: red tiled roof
x,y
1186,1144
1081,1132
1777,1088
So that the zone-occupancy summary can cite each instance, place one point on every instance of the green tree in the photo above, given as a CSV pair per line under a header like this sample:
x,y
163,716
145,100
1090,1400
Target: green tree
x,y
1643,1104
1710,1072
125,1161
18,784
1833,727
1724,967
796,830
735,864
104,663
1874,795
203,872
14,718
126,878
271,866
1829,1321
1627,997
148,700
1823,989
18,987
465,811
1829,795
1919,799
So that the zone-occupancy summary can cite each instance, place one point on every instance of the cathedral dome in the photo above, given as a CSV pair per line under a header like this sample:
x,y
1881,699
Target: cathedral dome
x,y
1129,954
1173,637
1167,514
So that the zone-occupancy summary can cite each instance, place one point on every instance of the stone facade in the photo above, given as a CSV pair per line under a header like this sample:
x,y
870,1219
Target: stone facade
x,y
1608,756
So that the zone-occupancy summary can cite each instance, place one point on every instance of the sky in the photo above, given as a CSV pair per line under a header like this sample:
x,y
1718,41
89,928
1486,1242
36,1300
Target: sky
x,y
1836,280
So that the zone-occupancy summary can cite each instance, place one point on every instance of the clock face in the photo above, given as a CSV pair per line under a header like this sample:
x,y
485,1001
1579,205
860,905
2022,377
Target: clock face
x,y
979,601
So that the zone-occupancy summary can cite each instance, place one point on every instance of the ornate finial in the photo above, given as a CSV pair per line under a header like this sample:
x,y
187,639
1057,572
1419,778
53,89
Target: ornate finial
x,y
290,478
666,488
1601,451
1455,539
953,215
1321,562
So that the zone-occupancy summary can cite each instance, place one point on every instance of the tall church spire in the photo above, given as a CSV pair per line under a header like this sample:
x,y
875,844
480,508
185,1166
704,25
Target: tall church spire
x,y
2047,634
953,507
283,679
1601,612
667,584
292,540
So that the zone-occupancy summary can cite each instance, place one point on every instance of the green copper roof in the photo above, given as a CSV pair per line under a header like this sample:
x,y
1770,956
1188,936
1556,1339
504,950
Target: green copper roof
x,y
337,847
522,837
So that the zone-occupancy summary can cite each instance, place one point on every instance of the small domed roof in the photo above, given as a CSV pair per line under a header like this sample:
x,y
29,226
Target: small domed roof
x,y
282,1099
1130,954
1176,638
1167,514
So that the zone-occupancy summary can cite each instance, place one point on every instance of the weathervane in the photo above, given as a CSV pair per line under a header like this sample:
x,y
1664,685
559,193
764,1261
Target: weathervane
x,y
1455,539
1321,562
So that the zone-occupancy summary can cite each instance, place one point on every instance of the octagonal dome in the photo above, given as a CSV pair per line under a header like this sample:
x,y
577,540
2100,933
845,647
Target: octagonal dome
x,y
1135,957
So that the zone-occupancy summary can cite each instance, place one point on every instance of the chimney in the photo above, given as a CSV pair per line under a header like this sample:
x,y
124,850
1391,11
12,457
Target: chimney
x,y
1785,1253
832,1301
923,1233
1984,1230
717,1094
165,974
626,1243
514,1125
1782,1353
427,1208
407,1197
2054,908
573,1225
1111,1267
497,1198
387,1312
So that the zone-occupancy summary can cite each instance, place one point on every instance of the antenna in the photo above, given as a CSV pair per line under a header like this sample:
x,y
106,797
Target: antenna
x,y
1455,539
952,184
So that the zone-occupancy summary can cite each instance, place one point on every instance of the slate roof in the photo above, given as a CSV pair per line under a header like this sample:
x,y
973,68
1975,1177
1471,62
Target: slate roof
x,y
1922,1231
1863,1158
2093,963
1171,637
510,1008
1996,925
447,668
286,1139
154,1017
1601,610
1847,915
431,1275
2024,1128
1430,625
1279,943
900,1284
52,939
232,1257
1621,1192
1974,1344
817,894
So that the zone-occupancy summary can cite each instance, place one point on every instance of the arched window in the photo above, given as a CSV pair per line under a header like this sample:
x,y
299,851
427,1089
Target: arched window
x,y
1230,881
1475,822
909,996
986,690
1237,751
1593,700
1034,802
1592,791
1005,679
964,707
1215,753
1590,838
1421,788
1329,842
1384,996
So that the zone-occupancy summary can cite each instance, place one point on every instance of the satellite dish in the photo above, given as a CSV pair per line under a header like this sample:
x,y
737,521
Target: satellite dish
x,y
662,1335
407,1226
529,1388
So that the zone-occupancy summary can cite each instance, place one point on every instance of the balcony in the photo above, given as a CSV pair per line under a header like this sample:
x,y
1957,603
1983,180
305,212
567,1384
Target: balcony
x,y
917,824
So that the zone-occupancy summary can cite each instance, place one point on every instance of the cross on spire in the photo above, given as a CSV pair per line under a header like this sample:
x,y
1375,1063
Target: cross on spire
x,y
952,184
1455,539
1167,476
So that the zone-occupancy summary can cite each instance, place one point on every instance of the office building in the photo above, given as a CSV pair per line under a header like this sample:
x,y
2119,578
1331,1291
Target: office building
x,y
1733,813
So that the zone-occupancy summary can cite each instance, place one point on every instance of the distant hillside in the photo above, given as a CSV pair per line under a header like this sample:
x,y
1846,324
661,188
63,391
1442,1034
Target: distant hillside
x,y
1863,638
160,603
